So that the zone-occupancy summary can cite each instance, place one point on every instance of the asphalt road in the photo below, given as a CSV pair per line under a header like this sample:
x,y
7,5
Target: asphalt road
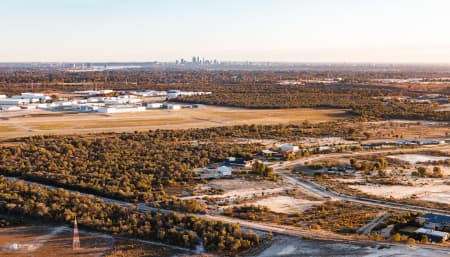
x,y
326,193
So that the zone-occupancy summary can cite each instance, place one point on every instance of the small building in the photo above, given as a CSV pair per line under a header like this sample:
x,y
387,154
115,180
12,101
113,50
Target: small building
x,y
198,106
121,109
267,152
10,108
224,171
322,149
154,105
430,142
2,96
32,97
238,162
85,108
174,107
10,101
173,94
433,235
434,221
287,148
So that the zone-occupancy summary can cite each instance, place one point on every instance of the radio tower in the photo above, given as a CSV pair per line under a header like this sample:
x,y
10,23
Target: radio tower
x,y
76,238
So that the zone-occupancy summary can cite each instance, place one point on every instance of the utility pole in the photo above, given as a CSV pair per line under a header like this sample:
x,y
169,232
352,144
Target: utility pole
x,y
76,237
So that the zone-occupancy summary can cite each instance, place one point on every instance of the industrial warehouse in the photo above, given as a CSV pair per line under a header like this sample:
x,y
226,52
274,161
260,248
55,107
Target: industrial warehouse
x,y
100,101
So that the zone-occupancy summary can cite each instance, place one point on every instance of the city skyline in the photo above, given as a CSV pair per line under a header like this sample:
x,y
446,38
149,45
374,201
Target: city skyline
x,y
259,31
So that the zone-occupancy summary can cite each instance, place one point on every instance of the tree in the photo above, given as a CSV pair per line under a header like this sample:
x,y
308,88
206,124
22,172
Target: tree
x,y
421,171
437,172
424,239
396,237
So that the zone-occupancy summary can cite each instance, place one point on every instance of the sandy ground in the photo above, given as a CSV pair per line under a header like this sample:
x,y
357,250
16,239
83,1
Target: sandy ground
x,y
50,241
230,185
56,241
444,108
292,247
311,141
436,192
287,204
240,188
417,158
395,129
40,122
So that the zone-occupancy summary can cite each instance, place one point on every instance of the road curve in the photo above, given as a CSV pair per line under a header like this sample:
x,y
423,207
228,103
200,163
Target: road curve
x,y
274,228
326,193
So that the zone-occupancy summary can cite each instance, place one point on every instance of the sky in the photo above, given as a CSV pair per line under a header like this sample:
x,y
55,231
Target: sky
x,y
398,31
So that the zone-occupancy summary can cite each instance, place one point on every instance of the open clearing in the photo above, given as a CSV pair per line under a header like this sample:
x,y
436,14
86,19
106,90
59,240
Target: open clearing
x,y
435,192
41,122
287,204
50,241
56,241
292,247
417,158
242,189
395,129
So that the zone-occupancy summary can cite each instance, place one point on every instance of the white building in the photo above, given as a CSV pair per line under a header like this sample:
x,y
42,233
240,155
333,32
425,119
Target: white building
x,y
85,107
434,235
173,93
93,92
11,101
224,171
121,109
124,99
290,148
10,108
2,96
174,107
154,105
150,93
32,97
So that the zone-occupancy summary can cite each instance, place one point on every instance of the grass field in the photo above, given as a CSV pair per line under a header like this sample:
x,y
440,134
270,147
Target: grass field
x,y
55,123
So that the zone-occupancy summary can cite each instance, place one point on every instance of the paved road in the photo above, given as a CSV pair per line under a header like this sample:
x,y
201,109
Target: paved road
x,y
333,195
280,229
366,229
326,193
289,164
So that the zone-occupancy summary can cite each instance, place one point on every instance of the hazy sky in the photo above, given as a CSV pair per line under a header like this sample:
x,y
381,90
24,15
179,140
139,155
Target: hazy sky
x,y
255,30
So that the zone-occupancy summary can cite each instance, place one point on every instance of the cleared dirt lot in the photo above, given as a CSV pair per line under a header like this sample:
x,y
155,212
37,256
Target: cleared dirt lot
x,y
293,247
395,129
435,192
40,122
50,241
287,204
56,241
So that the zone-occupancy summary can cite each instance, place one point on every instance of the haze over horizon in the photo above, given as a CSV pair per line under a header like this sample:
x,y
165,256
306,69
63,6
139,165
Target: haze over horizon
x,y
383,31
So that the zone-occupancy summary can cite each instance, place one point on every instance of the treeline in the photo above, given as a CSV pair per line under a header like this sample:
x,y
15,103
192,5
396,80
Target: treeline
x,y
363,101
249,89
58,205
132,167
140,166
174,203
336,216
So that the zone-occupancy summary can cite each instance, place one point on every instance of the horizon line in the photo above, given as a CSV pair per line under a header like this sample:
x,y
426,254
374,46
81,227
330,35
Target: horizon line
x,y
231,62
